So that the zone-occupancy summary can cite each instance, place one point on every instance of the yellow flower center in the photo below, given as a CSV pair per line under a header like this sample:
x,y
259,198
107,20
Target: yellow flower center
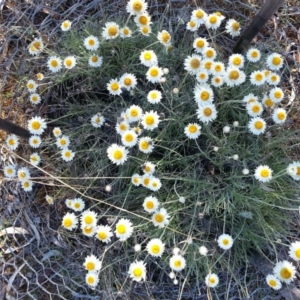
x,y
159,218
37,45
199,14
35,141
68,222
123,127
264,173
192,128
225,242
155,249
54,63
90,280
94,58
137,272
97,120
118,154
200,44
134,112
298,173
153,72
212,280
259,77
63,142
67,154
269,102
235,26
137,6
207,111
149,120
127,81
91,42
177,263
272,283
112,31
286,273
65,24
125,31
77,205
147,56
128,137
281,115
34,98
90,266
208,65
145,30
149,204
146,181
144,145
143,20
22,175
121,229
11,142
218,68
278,94
26,184
210,53
114,86
234,75
36,125
297,252
213,19
237,61
154,184
136,180
256,108
166,37
153,95
192,24
87,230
39,76
204,96
147,169
30,85
9,171
276,61
102,235
217,80
258,124
88,219
254,54
69,62
273,78
202,76
195,63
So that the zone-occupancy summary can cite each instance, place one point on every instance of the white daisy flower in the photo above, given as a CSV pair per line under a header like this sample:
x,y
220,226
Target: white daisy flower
x,y
276,94
31,86
209,53
122,127
199,44
114,87
9,171
150,120
49,200
129,138
257,125
54,64
212,280
36,125
104,233
92,279
117,154
154,184
35,98
234,76
254,109
91,43
279,115
35,141
263,173
192,25
88,218
136,179
65,25
39,76
145,30
134,113
155,247
218,68
150,204
148,58
192,131
192,64
160,218
199,15
213,21
145,180
154,96
207,112
110,31
273,79
293,170
88,230
69,62
128,81
294,250
78,204
225,241
143,19
69,203
62,142
257,78
146,145
273,282
203,94
36,46
95,61
92,263
27,185
207,64
202,76
97,120
125,32
67,154
285,271
137,271
250,98
274,61
69,221
268,102
12,142
135,7
217,81
253,55
35,159
177,262
236,60
23,174
164,37
233,28
56,131
124,229
154,74
148,167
